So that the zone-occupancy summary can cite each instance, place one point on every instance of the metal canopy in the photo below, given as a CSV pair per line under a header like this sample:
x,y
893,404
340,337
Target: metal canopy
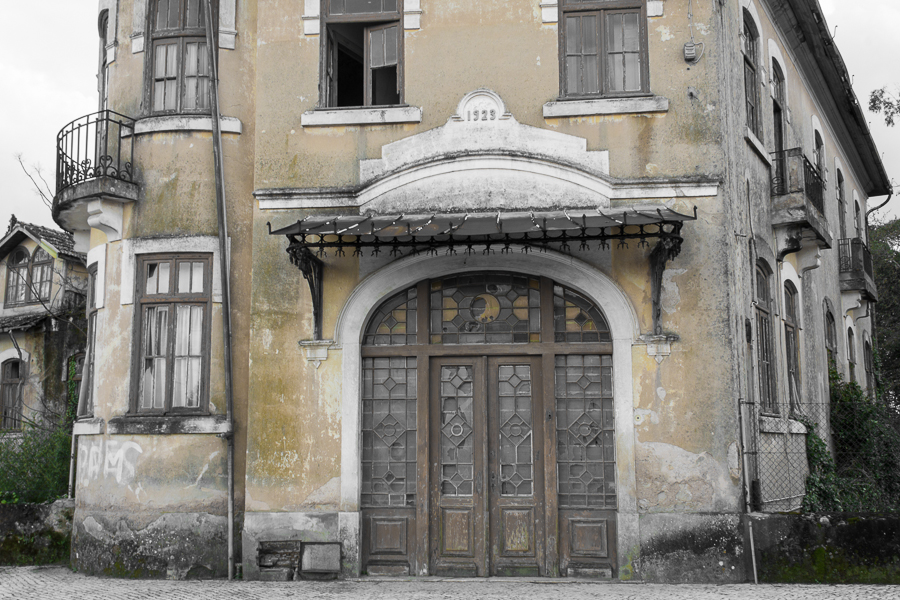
x,y
484,233
491,230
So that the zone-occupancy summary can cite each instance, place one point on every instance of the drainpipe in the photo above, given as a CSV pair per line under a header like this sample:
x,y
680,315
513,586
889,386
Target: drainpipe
x,y
870,310
224,264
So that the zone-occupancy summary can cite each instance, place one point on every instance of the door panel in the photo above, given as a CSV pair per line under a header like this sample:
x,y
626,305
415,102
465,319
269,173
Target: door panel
x,y
516,479
457,423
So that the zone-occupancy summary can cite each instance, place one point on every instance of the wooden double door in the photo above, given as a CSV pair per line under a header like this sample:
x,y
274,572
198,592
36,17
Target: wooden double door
x,y
487,493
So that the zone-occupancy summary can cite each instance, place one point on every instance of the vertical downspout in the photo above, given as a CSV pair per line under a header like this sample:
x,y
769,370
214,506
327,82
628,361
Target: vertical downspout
x,y
224,265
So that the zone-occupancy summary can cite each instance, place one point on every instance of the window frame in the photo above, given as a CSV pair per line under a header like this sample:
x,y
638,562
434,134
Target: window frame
x,y
750,50
842,206
830,339
86,392
369,21
173,299
765,342
30,288
869,359
602,8
851,354
181,36
16,417
791,322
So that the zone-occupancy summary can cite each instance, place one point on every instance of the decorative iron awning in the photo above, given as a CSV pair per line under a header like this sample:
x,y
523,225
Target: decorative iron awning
x,y
488,231
485,233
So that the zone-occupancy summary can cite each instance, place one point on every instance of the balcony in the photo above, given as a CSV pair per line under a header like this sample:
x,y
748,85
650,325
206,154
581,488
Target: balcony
x,y
857,272
798,200
94,175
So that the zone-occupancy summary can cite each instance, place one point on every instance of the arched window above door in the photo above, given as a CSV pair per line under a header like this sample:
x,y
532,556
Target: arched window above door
x,y
486,308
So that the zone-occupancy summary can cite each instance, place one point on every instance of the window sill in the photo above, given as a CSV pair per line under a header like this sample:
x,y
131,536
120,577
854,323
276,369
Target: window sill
x,y
361,116
605,106
185,123
757,146
88,426
779,425
156,425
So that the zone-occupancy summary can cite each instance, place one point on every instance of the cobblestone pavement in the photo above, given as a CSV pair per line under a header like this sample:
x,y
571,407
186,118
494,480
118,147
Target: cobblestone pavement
x,y
50,583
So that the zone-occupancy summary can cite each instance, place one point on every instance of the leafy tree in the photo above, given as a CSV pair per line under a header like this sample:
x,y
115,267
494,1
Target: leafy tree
x,y
886,103
884,243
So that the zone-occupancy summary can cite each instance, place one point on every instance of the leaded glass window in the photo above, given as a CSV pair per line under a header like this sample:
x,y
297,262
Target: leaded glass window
x,y
489,308
577,319
394,323
585,431
389,431
516,431
457,439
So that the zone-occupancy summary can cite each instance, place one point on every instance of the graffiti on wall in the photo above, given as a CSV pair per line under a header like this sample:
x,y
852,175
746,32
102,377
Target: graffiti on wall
x,y
109,459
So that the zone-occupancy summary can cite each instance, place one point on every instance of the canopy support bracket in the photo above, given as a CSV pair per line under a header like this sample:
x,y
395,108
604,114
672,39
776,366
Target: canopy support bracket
x,y
666,249
312,268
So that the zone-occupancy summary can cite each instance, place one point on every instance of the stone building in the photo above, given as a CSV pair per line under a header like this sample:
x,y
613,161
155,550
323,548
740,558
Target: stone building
x,y
42,342
521,287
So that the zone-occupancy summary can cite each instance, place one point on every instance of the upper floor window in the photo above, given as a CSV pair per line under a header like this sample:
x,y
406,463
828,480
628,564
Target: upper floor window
x,y
819,153
11,382
103,67
842,208
750,48
857,221
778,105
173,296
765,345
603,48
179,69
362,53
28,278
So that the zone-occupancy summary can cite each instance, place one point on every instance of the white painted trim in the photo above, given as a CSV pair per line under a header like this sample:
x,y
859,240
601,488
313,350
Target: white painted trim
x,y
754,14
227,24
412,16
131,248
655,8
361,116
549,11
185,123
93,426
775,55
620,313
605,106
757,146
817,126
97,255
11,353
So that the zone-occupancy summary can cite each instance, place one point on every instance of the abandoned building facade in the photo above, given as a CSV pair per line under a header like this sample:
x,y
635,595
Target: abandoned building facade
x,y
409,287
42,328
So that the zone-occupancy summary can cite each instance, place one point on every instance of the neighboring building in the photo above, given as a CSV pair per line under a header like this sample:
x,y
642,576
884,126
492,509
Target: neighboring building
x,y
42,340
568,278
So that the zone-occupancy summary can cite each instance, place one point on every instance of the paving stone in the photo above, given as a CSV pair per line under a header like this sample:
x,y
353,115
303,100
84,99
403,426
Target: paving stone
x,y
52,583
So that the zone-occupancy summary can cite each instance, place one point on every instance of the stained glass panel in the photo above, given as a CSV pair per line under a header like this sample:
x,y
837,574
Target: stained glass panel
x,y
485,308
394,323
389,432
585,431
516,423
457,441
577,319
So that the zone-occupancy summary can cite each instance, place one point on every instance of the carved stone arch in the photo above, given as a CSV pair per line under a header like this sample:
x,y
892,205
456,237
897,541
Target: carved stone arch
x,y
566,270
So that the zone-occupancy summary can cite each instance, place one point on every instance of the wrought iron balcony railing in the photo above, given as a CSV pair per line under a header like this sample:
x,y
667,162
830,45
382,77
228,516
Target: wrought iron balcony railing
x,y
792,172
97,145
855,257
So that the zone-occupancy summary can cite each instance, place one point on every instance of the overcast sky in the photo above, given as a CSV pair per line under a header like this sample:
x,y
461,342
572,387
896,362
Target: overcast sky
x,y
50,82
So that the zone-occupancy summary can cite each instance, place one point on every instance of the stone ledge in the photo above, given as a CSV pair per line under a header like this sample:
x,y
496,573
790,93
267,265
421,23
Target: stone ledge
x,y
757,146
88,427
185,123
361,116
605,106
138,425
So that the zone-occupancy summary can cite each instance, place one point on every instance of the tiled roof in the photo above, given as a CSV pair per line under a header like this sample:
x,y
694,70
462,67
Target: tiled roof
x,y
62,241
21,321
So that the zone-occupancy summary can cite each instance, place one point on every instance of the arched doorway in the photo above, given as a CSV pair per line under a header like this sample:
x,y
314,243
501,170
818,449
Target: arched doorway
x,y
488,427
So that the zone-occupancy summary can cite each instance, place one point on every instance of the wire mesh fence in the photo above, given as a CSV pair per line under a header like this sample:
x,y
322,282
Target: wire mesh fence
x,y
851,462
